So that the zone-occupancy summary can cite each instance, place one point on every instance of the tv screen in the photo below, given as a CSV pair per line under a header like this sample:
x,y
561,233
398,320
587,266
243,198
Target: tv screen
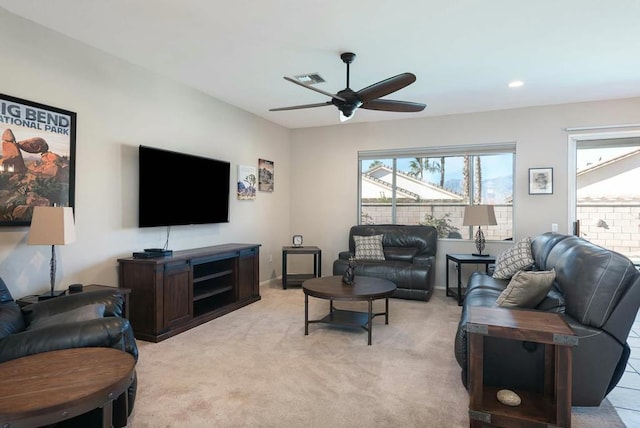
x,y
179,189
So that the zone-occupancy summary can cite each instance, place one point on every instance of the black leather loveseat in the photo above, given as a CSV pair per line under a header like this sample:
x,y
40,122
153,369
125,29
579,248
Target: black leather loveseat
x,y
89,319
598,293
409,258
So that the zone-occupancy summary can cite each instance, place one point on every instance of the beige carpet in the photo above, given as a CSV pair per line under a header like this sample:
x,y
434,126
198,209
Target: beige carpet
x,y
255,368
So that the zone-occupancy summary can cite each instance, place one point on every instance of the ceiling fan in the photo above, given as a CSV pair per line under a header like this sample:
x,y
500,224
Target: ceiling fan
x,y
348,100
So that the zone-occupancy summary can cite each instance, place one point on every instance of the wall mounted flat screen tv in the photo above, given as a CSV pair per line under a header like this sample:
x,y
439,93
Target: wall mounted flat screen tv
x,y
180,189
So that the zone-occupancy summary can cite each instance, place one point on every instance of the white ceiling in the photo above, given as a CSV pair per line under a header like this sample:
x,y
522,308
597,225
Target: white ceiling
x,y
463,52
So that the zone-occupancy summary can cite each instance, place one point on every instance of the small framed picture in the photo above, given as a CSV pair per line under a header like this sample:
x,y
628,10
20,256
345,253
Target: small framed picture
x,y
265,175
540,181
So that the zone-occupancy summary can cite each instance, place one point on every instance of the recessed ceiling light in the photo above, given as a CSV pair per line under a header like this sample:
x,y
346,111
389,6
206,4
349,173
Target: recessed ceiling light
x,y
516,84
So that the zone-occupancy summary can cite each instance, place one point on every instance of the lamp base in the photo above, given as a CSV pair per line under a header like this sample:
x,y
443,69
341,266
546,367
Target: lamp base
x,y
51,295
480,255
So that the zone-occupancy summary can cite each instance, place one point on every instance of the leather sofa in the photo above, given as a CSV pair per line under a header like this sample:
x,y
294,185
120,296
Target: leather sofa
x,y
63,323
596,290
409,258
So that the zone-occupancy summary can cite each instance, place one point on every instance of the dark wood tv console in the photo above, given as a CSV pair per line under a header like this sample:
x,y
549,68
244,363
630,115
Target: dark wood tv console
x,y
172,294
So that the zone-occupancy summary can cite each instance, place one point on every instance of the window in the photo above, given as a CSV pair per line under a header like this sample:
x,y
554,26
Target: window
x,y
433,185
607,195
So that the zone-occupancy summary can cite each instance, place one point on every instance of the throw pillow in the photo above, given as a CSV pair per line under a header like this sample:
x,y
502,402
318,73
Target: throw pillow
x,y
369,247
83,313
514,259
526,289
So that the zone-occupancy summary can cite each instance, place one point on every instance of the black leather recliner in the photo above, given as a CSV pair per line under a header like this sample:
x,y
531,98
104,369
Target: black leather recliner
x,y
111,330
597,291
409,252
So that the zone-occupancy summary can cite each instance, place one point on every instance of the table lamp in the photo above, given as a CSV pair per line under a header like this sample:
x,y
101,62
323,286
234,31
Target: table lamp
x,y
479,215
52,226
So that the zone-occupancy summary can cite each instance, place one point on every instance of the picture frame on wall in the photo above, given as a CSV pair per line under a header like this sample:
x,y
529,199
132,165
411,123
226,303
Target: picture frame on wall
x,y
38,161
265,174
247,179
540,181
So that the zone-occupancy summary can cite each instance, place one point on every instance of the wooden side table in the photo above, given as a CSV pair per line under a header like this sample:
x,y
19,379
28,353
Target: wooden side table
x,y
297,279
27,300
552,407
461,259
50,387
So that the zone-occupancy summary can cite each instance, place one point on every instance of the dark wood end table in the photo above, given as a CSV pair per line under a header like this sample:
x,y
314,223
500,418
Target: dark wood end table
x,y
364,289
297,279
51,387
552,407
461,259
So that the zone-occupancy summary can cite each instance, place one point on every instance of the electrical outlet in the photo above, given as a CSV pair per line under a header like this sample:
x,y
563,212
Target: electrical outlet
x,y
554,227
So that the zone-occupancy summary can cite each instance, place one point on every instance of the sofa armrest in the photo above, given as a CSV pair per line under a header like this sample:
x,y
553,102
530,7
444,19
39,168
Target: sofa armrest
x,y
345,255
108,332
423,260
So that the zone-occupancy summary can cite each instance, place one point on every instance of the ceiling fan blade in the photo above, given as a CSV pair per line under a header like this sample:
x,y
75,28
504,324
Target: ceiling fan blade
x,y
328,103
329,94
392,105
385,87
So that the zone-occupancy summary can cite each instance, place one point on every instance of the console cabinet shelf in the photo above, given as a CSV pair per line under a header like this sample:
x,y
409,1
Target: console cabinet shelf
x,y
172,294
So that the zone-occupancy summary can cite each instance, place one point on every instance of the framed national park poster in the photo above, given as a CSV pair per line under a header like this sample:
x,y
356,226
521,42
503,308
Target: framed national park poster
x,y
37,163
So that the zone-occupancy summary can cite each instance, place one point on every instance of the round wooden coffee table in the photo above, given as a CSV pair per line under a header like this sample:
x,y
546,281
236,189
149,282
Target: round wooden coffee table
x,y
50,387
365,288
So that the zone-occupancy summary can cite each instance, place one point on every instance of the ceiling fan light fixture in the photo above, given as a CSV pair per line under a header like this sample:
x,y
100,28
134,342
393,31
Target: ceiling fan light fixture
x,y
347,110
344,117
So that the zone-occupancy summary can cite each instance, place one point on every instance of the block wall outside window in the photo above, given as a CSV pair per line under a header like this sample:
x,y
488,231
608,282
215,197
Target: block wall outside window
x,y
614,227
415,214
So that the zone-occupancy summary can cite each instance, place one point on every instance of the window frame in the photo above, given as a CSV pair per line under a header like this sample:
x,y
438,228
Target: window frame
x,y
393,155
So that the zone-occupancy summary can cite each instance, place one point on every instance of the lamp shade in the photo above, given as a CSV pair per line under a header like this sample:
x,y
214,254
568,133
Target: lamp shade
x,y
52,226
479,215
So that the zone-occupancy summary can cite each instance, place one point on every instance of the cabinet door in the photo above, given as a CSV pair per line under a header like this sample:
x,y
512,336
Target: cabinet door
x,y
177,294
248,271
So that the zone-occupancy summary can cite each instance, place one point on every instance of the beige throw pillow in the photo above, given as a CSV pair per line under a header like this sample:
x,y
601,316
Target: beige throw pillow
x,y
369,247
527,289
514,259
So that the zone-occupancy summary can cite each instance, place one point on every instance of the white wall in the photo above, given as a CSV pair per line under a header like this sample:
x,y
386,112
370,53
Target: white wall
x,y
324,166
120,106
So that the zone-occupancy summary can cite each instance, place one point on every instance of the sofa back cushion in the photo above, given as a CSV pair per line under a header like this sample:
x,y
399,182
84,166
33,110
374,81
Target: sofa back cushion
x,y
80,314
592,278
401,254
112,301
541,245
400,242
